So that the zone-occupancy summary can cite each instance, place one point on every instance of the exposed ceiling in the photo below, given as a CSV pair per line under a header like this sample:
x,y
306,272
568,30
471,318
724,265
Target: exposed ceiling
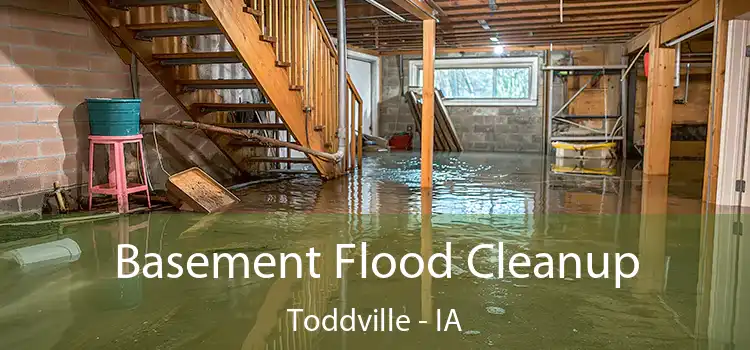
x,y
513,22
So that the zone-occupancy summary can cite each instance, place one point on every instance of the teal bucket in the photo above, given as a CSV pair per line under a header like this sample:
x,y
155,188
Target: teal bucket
x,y
114,116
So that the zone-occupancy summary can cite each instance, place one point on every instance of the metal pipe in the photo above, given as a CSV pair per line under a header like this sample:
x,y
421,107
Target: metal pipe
x,y
687,83
678,56
690,35
134,82
343,88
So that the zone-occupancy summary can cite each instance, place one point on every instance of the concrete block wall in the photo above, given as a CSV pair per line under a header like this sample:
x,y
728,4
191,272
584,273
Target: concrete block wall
x,y
51,59
480,128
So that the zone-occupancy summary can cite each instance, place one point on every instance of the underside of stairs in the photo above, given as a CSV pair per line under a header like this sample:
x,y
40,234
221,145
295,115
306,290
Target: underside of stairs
x,y
263,66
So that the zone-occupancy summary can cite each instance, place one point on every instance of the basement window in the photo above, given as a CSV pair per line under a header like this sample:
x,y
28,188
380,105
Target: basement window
x,y
497,81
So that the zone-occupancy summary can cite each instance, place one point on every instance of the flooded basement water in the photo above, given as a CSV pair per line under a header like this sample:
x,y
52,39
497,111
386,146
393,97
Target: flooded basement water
x,y
689,292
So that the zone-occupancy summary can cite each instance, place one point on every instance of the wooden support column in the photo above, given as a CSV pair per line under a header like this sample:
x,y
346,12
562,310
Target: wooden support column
x,y
426,253
428,99
716,114
659,102
653,235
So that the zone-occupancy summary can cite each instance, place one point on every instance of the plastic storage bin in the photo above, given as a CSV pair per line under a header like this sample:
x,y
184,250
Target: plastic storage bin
x,y
114,116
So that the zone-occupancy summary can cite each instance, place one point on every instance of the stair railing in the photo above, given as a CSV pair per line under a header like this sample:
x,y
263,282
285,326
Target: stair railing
x,y
303,44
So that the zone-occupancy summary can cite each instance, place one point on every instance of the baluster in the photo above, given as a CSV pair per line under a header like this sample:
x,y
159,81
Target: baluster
x,y
327,91
359,136
350,136
290,18
331,89
281,37
322,92
314,81
263,14
332,100
292,42
297,41
275,25
318,72
271,19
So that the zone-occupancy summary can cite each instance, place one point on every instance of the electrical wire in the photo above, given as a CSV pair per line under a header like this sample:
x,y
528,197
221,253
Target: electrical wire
x,y
158,154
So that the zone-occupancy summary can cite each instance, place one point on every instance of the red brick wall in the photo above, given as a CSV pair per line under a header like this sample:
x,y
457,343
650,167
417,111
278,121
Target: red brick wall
x,y
51,59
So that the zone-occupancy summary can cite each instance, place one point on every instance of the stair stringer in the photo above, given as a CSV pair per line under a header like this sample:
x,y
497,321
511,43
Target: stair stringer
x,y
259,57
109,24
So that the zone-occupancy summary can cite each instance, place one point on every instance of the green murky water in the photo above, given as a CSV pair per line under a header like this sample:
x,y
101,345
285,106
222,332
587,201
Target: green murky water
x,y
691,291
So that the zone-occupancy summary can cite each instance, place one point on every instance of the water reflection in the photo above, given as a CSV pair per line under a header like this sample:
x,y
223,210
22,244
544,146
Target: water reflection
x,y
690,292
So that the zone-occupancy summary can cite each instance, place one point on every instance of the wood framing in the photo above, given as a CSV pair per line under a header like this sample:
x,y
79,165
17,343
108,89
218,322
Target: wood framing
x,y
686,19
652,237
428,100
734,8
418,8
716,114
659,103
640,40
487,49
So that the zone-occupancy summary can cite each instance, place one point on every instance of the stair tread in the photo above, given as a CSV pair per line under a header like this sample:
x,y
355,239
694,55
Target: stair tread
x,y
213,54
279,159
234,106
187,58
171,29
172,25
147,3
218,83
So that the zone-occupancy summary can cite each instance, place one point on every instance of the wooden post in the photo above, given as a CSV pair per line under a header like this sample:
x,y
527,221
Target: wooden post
x,y
716,114
659,102
426,253
428,99
653,232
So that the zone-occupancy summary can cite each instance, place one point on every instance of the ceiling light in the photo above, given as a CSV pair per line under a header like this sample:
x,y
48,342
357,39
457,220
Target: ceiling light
x,y
493,39
484,24
498,50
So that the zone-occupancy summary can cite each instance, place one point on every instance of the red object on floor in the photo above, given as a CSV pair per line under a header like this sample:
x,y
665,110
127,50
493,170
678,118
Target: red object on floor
x,y
400,142
646,59
118,184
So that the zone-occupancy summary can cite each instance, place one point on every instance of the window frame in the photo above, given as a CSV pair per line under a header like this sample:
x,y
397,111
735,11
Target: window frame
x,y
492,62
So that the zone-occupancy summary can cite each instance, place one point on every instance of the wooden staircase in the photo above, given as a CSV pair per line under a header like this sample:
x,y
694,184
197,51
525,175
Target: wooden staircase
x,y
286,87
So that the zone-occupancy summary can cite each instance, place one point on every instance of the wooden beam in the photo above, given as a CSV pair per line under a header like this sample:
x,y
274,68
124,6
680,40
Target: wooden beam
x,y
457,16
362,50
428,100
502,36
688,18
716,109
659,102
418,8
484,49
638,42
591,31
526,4
734,8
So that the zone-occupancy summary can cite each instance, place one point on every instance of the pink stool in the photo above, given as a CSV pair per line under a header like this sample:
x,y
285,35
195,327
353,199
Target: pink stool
x,y
118,184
